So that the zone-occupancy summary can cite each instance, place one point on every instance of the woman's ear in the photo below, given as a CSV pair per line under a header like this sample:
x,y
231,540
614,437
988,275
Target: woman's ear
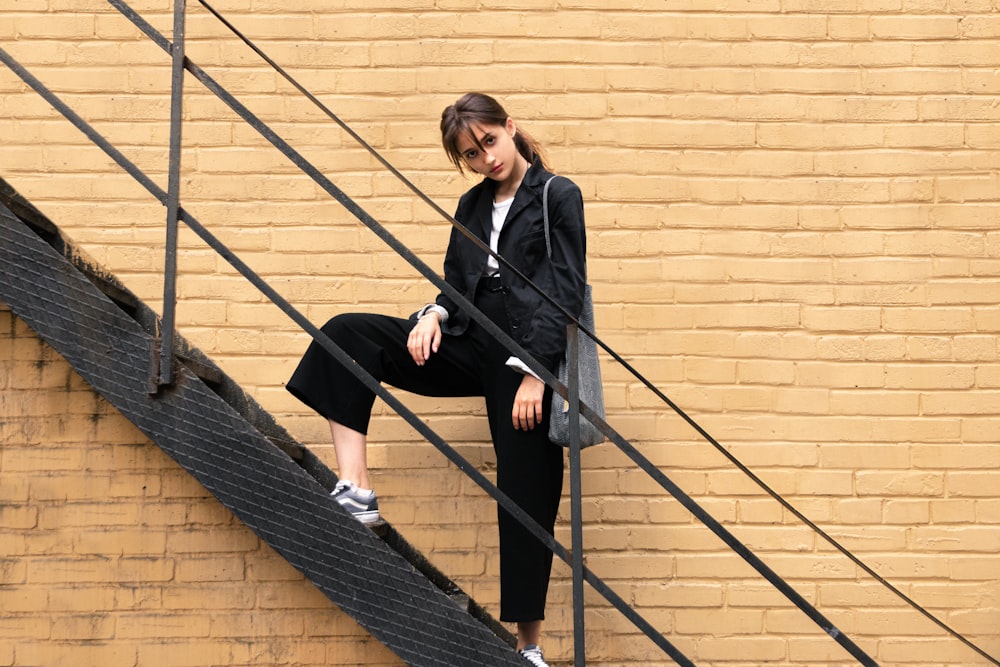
x,y
511,127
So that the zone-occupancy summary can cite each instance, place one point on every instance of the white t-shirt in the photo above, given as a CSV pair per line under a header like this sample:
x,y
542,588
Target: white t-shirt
x,y
500,211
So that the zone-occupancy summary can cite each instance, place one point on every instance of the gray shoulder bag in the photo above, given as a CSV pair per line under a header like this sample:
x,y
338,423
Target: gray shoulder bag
x,y
591,387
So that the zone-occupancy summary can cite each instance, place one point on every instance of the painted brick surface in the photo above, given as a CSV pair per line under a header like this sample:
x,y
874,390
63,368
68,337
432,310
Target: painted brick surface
x,y
792,214
111,554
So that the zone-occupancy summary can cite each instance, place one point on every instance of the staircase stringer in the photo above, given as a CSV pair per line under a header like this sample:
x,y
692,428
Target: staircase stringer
x,y
216,432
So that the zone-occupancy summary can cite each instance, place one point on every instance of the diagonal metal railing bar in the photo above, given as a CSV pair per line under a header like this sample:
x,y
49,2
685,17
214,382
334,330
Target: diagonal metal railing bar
x,y
720,531
625,364
334,350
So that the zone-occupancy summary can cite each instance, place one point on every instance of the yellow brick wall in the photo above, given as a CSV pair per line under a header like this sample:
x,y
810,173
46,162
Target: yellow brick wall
x,y
111,555
792,213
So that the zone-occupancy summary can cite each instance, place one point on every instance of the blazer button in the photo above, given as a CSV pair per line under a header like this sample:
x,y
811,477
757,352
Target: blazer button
x,y
515,324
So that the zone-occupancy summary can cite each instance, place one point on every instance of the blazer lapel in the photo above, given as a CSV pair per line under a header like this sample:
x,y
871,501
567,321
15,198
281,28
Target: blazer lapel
x,y
482,223
529,191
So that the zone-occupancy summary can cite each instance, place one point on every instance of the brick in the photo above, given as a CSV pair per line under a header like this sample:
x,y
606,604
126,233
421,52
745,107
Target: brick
x,y
23,600
907,512
757,648
184,652
136,626
207,595
88,514
902,483
981,137
977,622
299,596
678,595
954,595
968,484
980,26
860,511
624,566
806,80
112,654
874,539
18,518
915,649
912,81
874,402
842,319
934,377
803,650
988,511
254,626
927,27
15,491
793,623
929,348
221,540
952,511
981,402
64,486
126,569
138,598
80,599
43,458
130,542
84,627
59,27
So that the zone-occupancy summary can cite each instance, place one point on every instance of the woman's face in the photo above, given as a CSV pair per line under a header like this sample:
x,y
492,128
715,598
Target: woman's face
x,y
490,151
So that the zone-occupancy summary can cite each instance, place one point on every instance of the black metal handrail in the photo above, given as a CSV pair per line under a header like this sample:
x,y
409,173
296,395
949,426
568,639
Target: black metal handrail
x,y
171,199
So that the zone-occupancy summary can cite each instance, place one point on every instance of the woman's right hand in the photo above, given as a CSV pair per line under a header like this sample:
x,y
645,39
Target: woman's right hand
x,y
425,338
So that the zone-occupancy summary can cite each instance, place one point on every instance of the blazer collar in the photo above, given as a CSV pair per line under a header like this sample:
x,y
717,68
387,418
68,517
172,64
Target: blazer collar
x,y
530,189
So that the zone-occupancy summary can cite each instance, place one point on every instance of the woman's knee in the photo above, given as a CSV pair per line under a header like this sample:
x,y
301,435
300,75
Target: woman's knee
x,y
346,327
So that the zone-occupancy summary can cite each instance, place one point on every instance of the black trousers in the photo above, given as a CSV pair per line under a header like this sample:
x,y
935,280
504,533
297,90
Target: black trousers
x,y
529,466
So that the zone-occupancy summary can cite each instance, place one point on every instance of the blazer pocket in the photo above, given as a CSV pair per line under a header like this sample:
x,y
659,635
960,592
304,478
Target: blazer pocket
x,y
531,248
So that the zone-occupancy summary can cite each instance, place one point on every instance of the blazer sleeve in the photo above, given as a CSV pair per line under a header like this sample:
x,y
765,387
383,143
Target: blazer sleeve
x,y
453,272
567,275
460,260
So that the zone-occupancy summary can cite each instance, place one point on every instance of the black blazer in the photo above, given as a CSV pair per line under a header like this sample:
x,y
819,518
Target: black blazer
x,y
535,323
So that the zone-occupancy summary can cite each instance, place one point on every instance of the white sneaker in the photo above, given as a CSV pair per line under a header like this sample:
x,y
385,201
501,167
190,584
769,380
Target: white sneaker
x,y
533,655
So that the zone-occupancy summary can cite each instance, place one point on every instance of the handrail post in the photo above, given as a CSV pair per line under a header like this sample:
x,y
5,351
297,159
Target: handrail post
x,y
163,371
576,501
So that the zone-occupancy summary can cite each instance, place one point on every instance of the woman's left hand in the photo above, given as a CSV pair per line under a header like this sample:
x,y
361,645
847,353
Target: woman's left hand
x,y
424,338
527,412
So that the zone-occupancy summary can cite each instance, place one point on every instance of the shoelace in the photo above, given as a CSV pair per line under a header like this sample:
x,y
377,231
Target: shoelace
x,y
341,487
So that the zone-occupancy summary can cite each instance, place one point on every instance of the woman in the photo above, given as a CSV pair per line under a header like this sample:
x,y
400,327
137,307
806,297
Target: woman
x,y
441,351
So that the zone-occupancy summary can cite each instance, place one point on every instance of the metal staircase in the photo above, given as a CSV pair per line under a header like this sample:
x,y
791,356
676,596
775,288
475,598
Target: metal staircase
x,y
235,449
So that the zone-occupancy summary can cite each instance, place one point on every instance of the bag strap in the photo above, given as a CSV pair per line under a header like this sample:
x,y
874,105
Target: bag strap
x,y
545,214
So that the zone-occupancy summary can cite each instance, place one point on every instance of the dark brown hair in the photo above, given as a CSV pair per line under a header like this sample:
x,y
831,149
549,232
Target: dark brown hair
x,y
479,109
